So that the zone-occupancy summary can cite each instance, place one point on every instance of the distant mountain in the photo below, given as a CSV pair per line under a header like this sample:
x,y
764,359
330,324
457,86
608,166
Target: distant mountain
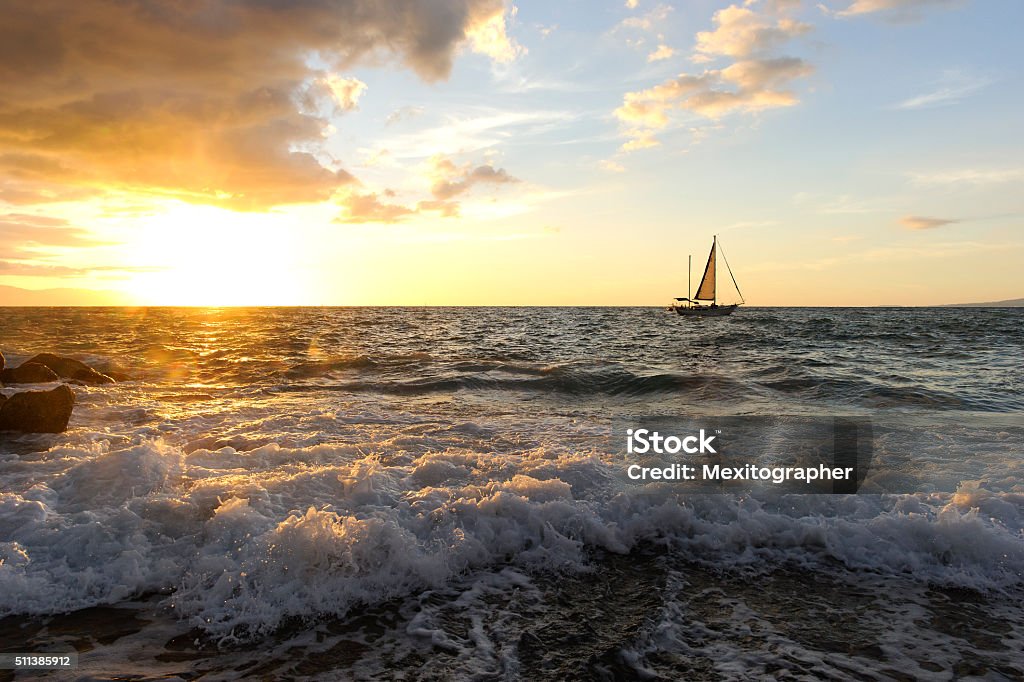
x,y
1012,303
16,296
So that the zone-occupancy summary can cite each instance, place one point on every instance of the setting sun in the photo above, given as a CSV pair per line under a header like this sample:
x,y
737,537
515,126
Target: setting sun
x,y
203,255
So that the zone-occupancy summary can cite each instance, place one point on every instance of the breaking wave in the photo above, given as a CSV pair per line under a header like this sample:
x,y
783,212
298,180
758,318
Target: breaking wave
x,y
244,541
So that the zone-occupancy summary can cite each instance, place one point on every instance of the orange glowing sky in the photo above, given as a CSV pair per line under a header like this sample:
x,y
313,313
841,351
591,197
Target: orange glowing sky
x,y
464,152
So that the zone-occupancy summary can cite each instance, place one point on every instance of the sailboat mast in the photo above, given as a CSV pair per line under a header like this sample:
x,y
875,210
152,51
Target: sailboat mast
x,y
689,266
714,292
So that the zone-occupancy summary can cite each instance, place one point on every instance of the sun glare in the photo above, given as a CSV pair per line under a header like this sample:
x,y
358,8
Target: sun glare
x,y
205,256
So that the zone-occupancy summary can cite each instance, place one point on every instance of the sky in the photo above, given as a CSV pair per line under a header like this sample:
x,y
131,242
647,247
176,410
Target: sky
x,y
480,152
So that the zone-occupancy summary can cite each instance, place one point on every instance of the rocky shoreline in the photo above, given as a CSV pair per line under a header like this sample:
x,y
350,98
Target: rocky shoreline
x,y
45,411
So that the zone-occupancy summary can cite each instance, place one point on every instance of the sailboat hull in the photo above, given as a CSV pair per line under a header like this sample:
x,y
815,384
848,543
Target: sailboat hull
x,y
705,311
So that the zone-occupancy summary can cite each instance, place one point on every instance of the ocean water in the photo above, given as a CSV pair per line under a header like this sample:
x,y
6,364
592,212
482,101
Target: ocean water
x,y
439,493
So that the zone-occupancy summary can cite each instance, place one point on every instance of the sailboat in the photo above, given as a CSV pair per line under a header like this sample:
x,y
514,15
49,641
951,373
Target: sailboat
x,y
707,291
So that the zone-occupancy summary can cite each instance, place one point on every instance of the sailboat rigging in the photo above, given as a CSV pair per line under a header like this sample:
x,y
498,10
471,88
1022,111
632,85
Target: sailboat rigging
x,y
707,290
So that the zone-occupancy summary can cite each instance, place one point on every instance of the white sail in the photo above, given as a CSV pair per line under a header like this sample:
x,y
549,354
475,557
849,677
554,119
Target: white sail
x,y
706,290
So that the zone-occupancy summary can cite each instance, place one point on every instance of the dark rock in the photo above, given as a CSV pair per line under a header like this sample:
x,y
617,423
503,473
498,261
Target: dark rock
x,y
117,376
38,411
69,368
28,373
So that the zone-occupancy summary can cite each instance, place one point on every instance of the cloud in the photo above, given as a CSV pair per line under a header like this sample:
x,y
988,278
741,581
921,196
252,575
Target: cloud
x,y
951,87
775,6
741,32
653,20
749,224
749,85
631,4
611,166
895,9
842,204
969,176
490,37
16,296
755,79
368,208
450,181
29,193
346,91
446,209
214,102
26,232
641,140
914,222
28,268
663,52
447,182
403,114
472,129
29,242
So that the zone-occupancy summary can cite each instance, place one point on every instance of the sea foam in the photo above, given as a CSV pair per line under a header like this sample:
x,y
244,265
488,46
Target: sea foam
x,y
241,542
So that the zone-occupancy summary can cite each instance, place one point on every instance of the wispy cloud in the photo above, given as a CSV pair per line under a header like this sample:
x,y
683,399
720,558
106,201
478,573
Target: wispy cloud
x,y
916,222
895,252
472,129
749,224
42,268
951,87
894,10
652,20
31,232
842,204
968,176
403,114
448,182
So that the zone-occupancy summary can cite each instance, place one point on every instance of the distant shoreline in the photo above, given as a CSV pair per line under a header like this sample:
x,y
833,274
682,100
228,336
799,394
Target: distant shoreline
x,y
1009,303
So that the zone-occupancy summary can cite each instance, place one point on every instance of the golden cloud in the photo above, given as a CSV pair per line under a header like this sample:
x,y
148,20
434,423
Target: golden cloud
x,y
215,102
450,180
23,231
916,222
741,32
663,52
907,9
749,85
368,208
755,80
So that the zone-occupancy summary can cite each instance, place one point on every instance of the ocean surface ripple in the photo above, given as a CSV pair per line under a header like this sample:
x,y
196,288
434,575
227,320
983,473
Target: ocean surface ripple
x,y
446,470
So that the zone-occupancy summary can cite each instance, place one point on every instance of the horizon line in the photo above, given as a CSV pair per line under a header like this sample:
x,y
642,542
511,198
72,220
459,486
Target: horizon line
x,y
993,304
